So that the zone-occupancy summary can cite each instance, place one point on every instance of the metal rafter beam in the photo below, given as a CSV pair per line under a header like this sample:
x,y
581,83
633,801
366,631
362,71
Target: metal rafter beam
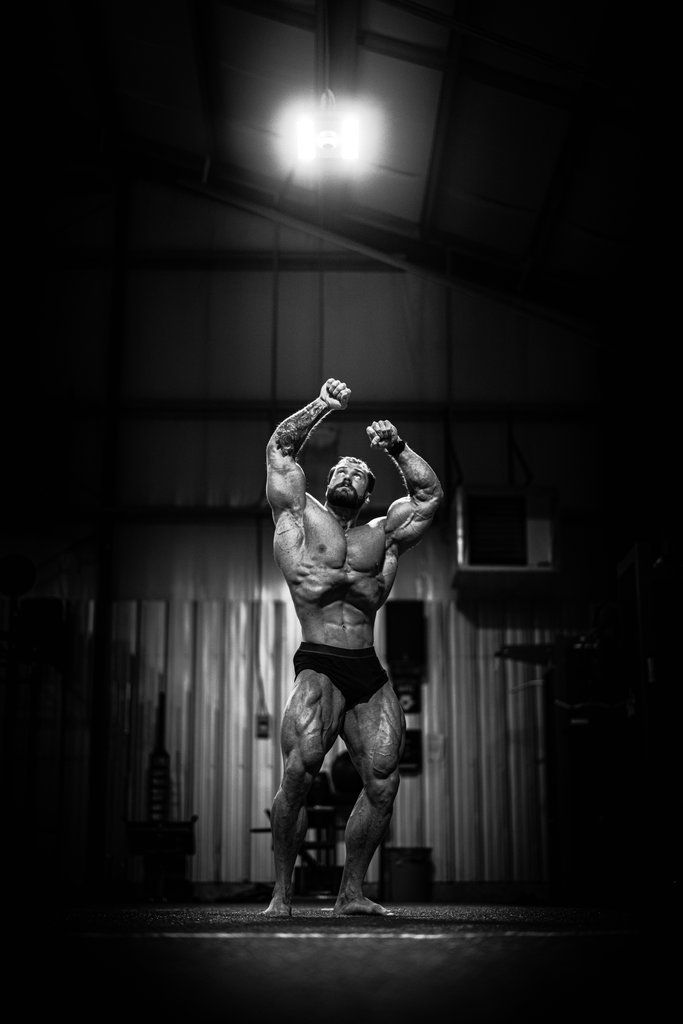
x,y
343,27
290,15
400,49
552,95
456,24
414,256
573,304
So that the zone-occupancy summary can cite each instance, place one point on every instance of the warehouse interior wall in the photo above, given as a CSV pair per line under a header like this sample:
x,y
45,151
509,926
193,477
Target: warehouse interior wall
x,y
158,369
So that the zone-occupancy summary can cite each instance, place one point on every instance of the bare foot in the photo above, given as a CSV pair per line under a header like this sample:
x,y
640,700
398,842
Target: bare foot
x,y
361,905
278,907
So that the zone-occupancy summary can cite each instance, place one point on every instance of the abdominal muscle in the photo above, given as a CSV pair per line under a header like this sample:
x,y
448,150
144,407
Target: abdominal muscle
x,y
338,624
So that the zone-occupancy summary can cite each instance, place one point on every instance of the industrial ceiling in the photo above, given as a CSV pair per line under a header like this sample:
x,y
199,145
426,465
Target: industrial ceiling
x,y
508,144
510,153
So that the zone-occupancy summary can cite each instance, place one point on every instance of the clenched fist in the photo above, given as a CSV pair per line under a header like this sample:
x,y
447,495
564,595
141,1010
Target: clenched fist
x,y
335,393
382,434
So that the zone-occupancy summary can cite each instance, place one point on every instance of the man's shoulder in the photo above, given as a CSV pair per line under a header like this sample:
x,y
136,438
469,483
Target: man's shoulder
x,y
369,534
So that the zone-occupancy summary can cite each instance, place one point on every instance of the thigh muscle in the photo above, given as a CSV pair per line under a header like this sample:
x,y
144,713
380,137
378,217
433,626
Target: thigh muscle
x,y
311,719
374,734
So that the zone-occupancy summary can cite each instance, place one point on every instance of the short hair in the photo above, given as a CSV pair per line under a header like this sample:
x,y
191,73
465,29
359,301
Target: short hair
x,y
358,462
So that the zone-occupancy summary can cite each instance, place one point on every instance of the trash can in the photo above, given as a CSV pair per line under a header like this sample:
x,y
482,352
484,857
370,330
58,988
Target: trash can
x,y
407,874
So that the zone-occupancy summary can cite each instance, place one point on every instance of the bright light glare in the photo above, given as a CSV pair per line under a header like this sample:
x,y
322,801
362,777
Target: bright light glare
x,y
315,141
347,139
305,139
328,141
349,135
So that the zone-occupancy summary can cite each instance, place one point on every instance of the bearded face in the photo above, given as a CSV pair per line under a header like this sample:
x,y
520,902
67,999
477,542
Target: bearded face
x,y
344,496
347,486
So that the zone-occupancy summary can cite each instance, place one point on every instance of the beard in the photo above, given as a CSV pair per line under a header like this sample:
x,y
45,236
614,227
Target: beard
x,y
344,496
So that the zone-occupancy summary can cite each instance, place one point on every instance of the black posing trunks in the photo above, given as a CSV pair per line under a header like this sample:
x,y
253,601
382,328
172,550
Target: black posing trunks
x,y
357,673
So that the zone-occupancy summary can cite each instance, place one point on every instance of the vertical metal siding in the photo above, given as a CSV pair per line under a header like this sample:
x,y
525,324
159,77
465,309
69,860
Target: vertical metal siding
x,y
479,802
207,657
484,780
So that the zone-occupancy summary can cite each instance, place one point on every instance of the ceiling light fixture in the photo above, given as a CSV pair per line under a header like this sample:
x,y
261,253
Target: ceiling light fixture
x,y
328,133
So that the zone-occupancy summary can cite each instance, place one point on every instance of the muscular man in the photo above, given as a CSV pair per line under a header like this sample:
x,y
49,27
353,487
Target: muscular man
x,y
339,574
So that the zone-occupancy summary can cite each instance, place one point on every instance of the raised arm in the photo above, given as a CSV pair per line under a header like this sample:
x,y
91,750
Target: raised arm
x,y
408,517
285,480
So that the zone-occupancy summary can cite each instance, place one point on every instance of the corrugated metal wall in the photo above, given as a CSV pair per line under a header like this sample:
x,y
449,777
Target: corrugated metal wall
x,y
478,803
218,663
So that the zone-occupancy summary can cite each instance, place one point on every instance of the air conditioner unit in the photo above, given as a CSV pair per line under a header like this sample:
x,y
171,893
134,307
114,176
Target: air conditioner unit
x,y
504,530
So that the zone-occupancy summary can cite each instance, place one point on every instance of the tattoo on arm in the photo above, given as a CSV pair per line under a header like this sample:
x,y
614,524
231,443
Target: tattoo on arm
x,y
295,430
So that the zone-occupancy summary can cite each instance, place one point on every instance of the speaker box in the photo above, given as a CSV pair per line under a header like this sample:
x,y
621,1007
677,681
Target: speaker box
x,y
406,641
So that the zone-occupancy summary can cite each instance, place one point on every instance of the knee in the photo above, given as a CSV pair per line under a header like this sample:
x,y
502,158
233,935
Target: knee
x,y
302,763
302,745
385,764
311,754
382,786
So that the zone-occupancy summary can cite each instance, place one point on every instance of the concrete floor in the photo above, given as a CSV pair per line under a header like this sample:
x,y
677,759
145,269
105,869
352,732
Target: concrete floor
x,y
428,963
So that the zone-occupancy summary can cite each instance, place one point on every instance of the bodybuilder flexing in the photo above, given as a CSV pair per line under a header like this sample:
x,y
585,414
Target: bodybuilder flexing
x,y
339,574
